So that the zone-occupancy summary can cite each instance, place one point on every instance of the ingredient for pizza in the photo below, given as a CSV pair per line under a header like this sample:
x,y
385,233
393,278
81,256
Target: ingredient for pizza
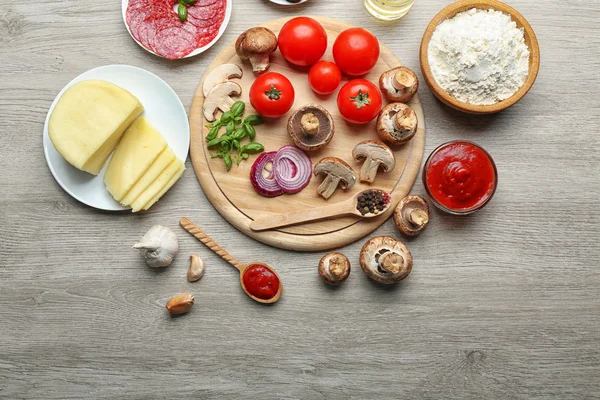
x,y
219,98
397,123
163,182
334,268
411,216
359,101
302,41
372,201
385,259
220,74
155,25
479,56
236,130
272,95
196,269
88,121
158,246
399,84
158,166
261,282
255,45
180,304
337,173
460,177
324,77
356,51
287,170
376,155
311,127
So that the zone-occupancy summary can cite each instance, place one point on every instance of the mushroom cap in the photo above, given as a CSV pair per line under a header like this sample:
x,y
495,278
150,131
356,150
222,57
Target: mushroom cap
x,y
377,151
401,91
340,270
255,41
375,248
338,167
386,123
323,135
402,217
217,98
219,75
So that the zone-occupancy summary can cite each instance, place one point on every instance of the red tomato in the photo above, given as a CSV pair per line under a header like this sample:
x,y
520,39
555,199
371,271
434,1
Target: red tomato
x,y
359,101
356,51
272,95
324,77
302,41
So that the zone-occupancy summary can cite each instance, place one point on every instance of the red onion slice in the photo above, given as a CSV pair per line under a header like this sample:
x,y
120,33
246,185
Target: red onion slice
x,y
265,185
285,177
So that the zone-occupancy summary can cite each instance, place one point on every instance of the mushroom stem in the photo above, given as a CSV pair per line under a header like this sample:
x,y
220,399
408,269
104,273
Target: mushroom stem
x,y
416,216
309,124
368,171
337,266
260,62
400,122
391,262
328,185
402,80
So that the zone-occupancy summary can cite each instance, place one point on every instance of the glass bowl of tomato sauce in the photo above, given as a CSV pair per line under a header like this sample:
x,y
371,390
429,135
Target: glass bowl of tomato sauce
x,y
460,177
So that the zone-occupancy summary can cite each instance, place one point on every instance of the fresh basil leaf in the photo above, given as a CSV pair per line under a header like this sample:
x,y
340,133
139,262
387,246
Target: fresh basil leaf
x,y
254,120
238,108
250,130
182,12
227,160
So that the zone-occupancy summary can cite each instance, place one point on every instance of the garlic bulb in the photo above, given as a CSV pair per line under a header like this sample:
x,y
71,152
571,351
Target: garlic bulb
x,y
158,246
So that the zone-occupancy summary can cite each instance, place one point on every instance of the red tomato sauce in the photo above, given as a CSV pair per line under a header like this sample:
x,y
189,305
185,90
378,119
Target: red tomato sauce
x,y
460,176
261,282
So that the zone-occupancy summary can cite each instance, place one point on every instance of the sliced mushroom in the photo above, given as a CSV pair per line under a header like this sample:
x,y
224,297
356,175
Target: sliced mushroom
x,y
397,123
219,75
376,154
399,84
412,215
219,98
334,268
255,45
311,127
337,172
385,259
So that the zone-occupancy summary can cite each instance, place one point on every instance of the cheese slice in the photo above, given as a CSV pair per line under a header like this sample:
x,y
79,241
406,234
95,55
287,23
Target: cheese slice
x,y
140,146
168,186
158,166
88,121
155,187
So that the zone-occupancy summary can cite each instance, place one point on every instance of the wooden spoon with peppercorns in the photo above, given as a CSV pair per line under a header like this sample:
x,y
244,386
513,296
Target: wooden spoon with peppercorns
x,y
368,204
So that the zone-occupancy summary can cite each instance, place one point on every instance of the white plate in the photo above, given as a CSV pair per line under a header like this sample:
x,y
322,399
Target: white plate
x,y
125,3
162,108
287,3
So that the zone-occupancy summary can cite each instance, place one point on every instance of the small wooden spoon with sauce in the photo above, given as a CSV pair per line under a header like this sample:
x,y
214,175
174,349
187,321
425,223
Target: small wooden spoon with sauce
x,y
243,268
346,207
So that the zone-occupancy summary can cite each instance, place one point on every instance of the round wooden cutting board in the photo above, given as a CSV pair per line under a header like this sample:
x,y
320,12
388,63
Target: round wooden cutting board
x,y
232,194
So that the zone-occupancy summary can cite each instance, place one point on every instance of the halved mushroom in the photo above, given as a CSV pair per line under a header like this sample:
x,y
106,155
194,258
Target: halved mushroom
x,y
255,45
397,123
376,154
219,99
337,172
385,259
219,75
412,215
334,268
399,84
311,127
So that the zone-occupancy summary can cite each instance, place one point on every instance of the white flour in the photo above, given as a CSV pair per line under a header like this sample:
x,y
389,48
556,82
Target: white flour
x,y
479,57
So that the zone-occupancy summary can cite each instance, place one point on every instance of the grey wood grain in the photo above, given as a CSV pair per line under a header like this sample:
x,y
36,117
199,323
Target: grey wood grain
x,y
502,304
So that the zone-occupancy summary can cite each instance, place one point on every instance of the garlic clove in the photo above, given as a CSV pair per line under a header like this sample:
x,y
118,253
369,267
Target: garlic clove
x,y
196,270
180,304
158,246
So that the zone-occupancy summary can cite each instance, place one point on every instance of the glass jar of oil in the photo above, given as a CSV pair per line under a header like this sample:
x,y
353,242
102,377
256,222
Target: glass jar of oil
x,y
388,10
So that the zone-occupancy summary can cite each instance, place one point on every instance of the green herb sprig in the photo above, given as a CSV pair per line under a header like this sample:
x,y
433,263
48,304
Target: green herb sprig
x,y
236,130
182,9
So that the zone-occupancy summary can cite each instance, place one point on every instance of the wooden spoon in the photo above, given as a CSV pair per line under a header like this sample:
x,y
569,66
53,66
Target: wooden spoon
x,y
211,244
346,207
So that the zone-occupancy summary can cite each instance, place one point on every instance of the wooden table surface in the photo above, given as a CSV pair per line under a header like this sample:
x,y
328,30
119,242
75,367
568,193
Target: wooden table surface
x,y
502,304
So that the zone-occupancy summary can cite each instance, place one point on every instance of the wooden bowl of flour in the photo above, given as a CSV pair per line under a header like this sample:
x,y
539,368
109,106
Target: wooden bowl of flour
x,y
530,41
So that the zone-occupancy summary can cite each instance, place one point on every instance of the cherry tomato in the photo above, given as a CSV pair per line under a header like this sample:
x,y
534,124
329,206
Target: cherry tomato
x,y
324,77
272,95
356,51
359,101
302,41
